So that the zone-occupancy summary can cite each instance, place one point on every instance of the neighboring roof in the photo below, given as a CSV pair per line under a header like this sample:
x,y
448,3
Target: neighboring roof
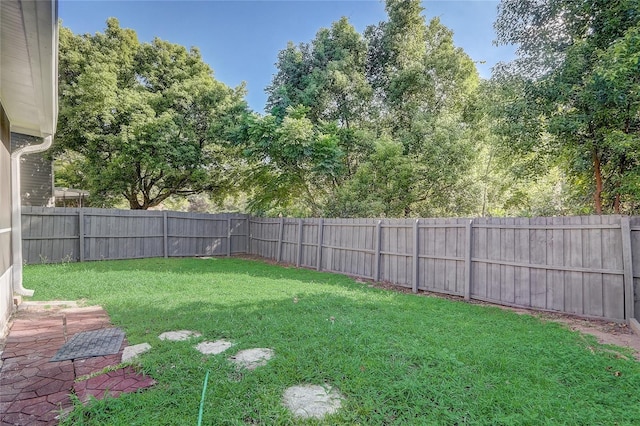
x,y
70,193
29,65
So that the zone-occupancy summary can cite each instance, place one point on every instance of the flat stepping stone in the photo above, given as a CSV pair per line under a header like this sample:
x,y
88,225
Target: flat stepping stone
x,y
176,336
131,352
252,358
312,401
213,348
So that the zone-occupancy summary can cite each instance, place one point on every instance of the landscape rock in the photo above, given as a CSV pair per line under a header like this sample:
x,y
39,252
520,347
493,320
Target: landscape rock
x,y
179,335
252,358
213,348
312,401
130,352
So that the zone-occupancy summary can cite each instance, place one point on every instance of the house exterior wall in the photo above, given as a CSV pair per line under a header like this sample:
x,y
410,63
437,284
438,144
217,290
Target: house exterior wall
x,y
36,173
6,293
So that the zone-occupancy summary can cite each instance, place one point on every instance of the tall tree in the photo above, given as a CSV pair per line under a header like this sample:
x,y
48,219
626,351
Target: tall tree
x,y
294,165
328,78
576,64
426,85
147,118
396,98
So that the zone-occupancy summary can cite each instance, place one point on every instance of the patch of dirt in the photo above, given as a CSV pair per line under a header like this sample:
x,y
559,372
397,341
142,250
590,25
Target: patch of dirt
x,y
607,333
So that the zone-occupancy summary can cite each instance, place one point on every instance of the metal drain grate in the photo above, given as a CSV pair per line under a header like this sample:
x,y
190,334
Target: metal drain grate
x,y
106,341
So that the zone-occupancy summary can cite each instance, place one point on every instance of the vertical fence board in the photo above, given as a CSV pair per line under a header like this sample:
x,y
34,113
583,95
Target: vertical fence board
x,y
415,254
493,253
555,256
573,253
592,256
612,259
538,256
320,242
522,282
467,259
627,265
507,253
479,279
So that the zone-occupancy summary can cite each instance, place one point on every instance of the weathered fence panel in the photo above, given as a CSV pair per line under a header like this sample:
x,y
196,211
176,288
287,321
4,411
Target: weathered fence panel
x,y
50,234
264,237
554,264
583,265
74,234
566,264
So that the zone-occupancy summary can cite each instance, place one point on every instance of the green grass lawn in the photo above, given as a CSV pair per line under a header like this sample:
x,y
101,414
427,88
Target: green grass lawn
x,y
397,358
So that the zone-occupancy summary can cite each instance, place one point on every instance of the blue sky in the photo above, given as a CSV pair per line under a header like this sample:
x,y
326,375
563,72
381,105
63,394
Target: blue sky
x,y
240,39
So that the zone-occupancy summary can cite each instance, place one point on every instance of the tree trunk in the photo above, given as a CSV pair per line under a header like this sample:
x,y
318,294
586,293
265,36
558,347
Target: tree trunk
x,y
616,204
597,170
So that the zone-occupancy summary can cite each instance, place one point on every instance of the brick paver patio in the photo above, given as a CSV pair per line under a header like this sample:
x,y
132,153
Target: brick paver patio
x,y
34,390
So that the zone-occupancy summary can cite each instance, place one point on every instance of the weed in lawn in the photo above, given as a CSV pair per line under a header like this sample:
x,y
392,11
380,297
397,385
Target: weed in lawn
x,y
396,358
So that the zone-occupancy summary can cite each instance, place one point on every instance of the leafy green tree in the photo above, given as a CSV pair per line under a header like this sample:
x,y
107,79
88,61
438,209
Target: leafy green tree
x,y
381,187
578,68
426,85
294,165
328,78
148,119
395,101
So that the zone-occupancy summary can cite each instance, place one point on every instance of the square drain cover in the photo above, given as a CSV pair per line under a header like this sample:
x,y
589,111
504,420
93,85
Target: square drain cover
x,y
106,341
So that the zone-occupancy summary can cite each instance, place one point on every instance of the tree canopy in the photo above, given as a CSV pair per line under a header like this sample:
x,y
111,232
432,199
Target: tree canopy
x,y
395,96
393,121
147,119
577,73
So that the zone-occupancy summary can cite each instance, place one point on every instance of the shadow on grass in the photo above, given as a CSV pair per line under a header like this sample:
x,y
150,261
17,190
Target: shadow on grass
x,y
193,265
398,359
433,362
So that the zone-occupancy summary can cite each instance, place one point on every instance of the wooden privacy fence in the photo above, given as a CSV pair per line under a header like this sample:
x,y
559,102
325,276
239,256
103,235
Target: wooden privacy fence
x,y
587,265
578,265
79,234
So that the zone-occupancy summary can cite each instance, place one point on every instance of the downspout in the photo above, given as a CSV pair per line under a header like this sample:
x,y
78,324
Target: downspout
x,y
16,212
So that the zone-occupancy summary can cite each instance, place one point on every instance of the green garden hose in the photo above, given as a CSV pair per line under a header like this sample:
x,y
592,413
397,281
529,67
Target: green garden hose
x,y
204,391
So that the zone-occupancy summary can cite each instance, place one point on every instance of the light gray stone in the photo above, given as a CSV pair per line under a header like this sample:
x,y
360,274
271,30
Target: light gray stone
x,y
179,335
312,401
213,348
252,358
130,352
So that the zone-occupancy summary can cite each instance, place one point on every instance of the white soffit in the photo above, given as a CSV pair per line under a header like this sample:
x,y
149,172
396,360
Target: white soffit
x,y
29,65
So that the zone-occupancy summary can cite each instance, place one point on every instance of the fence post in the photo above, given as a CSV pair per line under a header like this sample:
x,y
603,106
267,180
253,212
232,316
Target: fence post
x,y
627,262
165,236
378,241
81,233
320,236
249,248
467,260
228,236
299,258
416,255
280,237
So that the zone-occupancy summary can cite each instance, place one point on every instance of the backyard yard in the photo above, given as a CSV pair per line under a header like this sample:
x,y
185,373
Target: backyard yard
x,y
395,358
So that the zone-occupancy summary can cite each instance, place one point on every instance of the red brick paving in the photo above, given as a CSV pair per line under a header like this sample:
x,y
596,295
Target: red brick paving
x,y
33,390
